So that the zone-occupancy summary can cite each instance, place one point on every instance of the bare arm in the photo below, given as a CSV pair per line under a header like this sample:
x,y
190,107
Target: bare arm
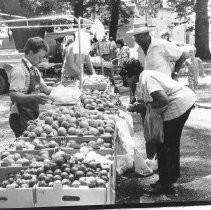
x,y
22,98
160,99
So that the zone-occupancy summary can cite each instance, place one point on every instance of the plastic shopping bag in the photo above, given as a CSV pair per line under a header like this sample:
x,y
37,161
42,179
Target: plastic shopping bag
x,y
152,163
153,126
141,166
65,95
125,146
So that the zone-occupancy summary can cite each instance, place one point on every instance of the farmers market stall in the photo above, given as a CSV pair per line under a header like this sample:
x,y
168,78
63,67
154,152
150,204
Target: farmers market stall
x,y
68,155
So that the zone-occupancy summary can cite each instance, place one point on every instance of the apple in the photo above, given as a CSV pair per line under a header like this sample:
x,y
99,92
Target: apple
x,y
66,182
57,177
71,177
64,175
76,184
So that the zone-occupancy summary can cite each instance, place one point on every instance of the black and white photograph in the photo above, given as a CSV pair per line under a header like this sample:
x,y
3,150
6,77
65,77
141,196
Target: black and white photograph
x,y
105,104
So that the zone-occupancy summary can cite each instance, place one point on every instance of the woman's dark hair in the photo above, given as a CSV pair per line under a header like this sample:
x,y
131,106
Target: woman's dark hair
x,y
121,42
35,44
133,67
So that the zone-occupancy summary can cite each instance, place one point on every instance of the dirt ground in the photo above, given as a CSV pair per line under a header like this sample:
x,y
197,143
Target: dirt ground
x,y
195,181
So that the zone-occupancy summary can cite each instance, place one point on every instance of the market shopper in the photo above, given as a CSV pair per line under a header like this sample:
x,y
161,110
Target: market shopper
x,y
27,88
123,55
158,90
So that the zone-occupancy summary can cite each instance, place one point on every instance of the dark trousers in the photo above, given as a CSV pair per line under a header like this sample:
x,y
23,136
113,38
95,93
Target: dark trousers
x,y
168,153
15,124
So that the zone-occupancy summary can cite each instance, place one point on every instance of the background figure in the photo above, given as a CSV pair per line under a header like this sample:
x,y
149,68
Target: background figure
x,y
105,49
123,55
58,57
113,47
195,68
65,47
94,45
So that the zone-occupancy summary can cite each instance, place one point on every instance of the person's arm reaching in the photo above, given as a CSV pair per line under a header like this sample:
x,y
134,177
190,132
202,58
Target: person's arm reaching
x,y
22,98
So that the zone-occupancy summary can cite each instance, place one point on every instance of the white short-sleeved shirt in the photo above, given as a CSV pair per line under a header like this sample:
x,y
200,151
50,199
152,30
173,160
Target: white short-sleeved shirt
x,y
181,98
159,57
19,80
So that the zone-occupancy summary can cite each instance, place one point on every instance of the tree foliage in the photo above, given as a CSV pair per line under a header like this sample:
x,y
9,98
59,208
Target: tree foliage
x,y
185,9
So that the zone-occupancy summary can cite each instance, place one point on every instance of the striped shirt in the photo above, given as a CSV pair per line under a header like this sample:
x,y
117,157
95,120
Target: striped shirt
x,y
181,98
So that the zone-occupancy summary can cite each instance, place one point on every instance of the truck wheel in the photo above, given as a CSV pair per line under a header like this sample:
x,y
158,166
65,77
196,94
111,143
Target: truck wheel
x,y
3,84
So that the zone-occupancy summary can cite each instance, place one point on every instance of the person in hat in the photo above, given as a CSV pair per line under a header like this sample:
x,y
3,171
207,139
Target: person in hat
x,y
156,54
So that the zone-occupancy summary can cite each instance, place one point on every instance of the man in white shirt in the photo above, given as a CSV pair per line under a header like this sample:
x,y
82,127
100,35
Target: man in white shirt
x,y
156,54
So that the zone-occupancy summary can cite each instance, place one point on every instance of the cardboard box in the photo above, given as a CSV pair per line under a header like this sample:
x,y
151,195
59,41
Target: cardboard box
x,y
11,197
61,196
16,198
78,139
102,152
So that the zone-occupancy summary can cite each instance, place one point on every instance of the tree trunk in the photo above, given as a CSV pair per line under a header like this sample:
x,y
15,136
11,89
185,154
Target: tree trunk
x,y
202,30
20,36
113,27
78,8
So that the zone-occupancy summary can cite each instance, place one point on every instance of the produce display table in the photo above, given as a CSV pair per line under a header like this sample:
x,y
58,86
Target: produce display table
x,y
29,194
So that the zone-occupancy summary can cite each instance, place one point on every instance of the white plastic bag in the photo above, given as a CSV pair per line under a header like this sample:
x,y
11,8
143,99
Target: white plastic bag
x,y
125,148
124,162
65,95
141,166
128,119
152,163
